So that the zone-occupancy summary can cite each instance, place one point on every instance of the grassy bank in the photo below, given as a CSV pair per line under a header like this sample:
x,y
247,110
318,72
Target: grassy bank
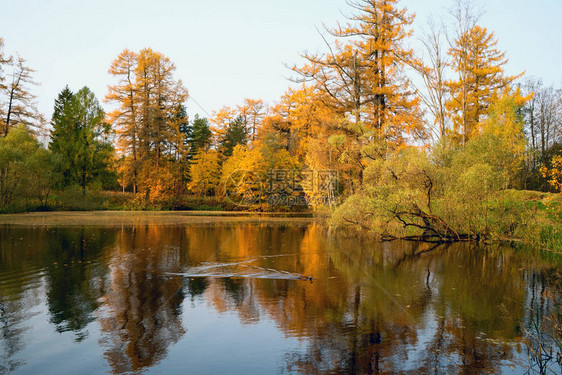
x,y
529,216
76,200
128,218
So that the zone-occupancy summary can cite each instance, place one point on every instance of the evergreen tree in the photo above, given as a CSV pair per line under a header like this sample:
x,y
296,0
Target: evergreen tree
x,y
200,136
236,133
79,137
184,126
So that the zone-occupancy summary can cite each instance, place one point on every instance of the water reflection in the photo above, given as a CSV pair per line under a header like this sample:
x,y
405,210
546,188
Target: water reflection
x,y
74,277
140,316
59,263
371,308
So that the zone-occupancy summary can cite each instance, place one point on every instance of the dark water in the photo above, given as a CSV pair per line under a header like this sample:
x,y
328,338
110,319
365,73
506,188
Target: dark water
x,y
235,299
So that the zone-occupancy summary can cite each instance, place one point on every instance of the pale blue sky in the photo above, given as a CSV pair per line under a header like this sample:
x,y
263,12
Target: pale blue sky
x,y
226,50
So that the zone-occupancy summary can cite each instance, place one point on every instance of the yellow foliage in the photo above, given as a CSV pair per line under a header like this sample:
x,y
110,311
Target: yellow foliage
x,y
479,66
146,123
205,173
554,173
363,78
157,184
249,167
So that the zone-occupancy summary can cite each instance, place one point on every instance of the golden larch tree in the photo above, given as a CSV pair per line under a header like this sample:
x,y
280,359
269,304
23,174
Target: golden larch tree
x,y
363,74
479,68
147,118
124,118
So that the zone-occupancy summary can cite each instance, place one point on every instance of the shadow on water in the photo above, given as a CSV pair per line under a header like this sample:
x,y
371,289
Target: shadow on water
x,y
370,308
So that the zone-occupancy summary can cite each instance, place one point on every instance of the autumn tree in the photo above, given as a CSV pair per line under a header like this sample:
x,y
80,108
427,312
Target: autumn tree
x,y
205,173
80,137
299,116
160,97
554,173
4,60
148,121
505,122
244,177
364,77
124,119
220,121
253,111
478,65
18,105
364,106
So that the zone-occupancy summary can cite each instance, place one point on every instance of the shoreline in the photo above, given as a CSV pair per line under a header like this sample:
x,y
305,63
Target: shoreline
x,y
111,218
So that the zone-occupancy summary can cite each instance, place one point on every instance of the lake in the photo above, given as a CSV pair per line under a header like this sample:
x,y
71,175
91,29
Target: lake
x,y
170,293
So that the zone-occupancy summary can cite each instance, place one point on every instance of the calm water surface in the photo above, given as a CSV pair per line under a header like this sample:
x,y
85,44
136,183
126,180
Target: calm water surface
x,y
235,298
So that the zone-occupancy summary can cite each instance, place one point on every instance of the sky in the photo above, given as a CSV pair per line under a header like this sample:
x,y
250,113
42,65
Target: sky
x,y
227,50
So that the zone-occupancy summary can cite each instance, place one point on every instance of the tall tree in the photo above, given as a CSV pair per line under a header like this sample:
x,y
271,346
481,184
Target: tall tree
x,y
479,68
220,121
124,119
160,96
80,137
433,72
19,101
543,125
253,111
4,60
149,117
544,118
365,77
184,126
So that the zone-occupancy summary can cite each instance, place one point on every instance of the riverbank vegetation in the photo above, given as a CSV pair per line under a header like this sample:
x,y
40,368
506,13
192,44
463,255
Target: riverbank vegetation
x,y
435,143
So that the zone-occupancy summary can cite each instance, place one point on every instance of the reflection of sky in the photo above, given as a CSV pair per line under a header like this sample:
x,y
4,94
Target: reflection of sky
x,y
216,343
48,352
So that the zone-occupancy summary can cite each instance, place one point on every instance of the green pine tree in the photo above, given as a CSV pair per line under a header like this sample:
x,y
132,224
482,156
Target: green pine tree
x,y
237,133
200,137
80,138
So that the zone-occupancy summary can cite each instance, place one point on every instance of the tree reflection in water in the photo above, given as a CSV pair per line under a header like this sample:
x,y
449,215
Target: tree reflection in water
x,y
371,307
59,263
140,316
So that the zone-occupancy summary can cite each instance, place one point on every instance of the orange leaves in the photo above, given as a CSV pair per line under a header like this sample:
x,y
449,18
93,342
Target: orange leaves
x,y
147,118
157,185
362,77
